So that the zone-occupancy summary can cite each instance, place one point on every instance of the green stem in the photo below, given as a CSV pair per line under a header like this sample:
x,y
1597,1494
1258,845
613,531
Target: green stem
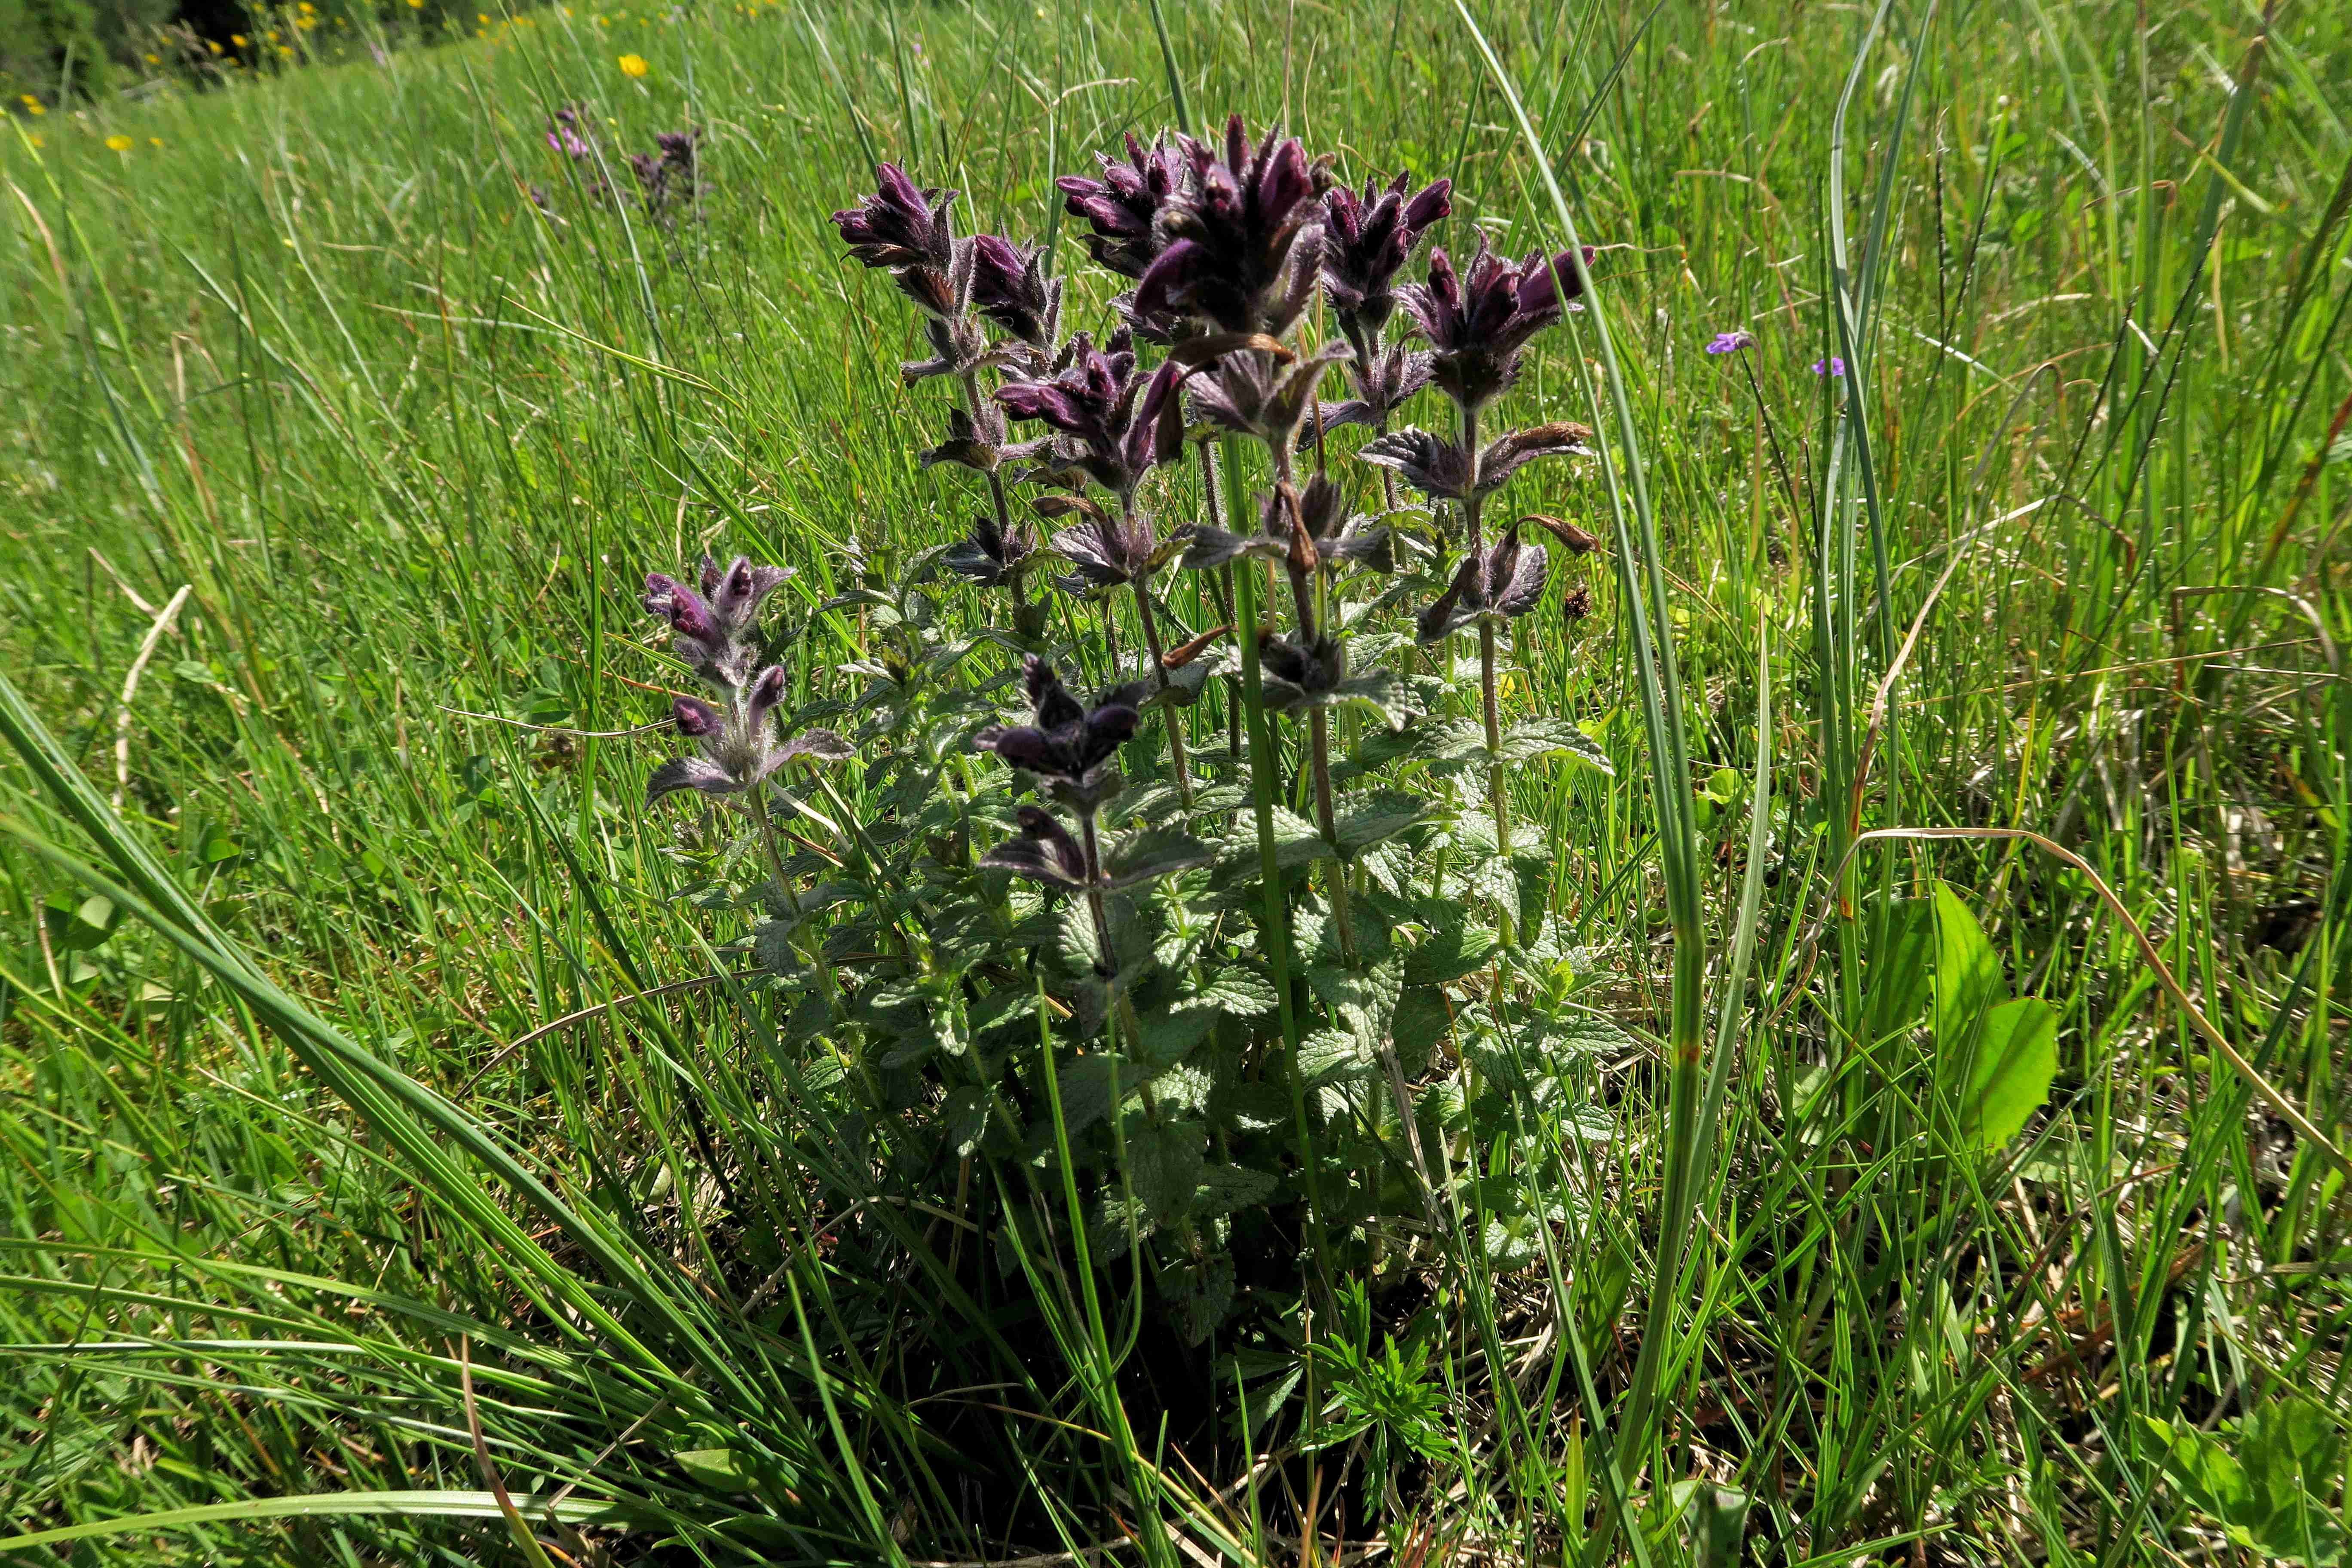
x,y
1277,918
971,383
1490,707
1171,710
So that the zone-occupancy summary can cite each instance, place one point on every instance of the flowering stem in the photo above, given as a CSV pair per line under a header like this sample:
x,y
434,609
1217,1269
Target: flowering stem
x,y
1172,712
812,943
970,380
1277,919
1222,583
1106,964
1497,789
1319,737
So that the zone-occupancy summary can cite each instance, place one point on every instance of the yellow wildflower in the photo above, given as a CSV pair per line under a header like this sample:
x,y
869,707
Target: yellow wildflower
x,y
118,143
633,65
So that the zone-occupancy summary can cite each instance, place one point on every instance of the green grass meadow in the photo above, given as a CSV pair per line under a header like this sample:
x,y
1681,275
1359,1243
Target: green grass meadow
x,y
336,465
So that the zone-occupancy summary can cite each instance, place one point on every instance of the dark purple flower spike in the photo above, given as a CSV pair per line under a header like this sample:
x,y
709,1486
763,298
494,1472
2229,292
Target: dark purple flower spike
x,y
1299,671
1120,421
1383,386
1494,584
1071,748
712,630
1122,208
1106,551
1009,286
1333,539
906,230
899,225
1246,237
736,748
1367,239
1263,396
1440,468
1477,325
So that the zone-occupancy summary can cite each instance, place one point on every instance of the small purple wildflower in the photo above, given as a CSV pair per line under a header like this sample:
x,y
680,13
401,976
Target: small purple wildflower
x,y
1247,237
1123,422
714,630
1121,207
1832,365
1731,342
1069,746
1368,237
1498,583
1478,324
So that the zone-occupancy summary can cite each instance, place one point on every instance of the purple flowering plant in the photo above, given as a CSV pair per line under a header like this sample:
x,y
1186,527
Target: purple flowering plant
x,y
1211,944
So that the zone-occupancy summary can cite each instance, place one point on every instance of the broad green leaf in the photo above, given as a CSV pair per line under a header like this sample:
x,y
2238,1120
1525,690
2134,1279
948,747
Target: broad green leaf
x,y
1155,852
1085,1086
1225,1188
1233,991
1550,737
2008,1069
1450,954
1163,1166
1901,975
1379,816
1968,975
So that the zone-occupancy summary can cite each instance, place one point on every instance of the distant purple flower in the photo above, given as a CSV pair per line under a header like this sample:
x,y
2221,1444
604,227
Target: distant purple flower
x,y
1830,366
1247,239
666,177
1731,342
1367,239
1477,325
1123,205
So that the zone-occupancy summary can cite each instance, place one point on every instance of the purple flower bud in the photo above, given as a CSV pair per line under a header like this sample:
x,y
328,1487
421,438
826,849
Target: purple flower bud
x,y
766,692
1501,583
715,635
1119,418
1070,747
696,718
1009,286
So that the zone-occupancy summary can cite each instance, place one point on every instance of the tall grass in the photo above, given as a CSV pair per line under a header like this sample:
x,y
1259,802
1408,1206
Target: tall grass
x,y
303,1263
